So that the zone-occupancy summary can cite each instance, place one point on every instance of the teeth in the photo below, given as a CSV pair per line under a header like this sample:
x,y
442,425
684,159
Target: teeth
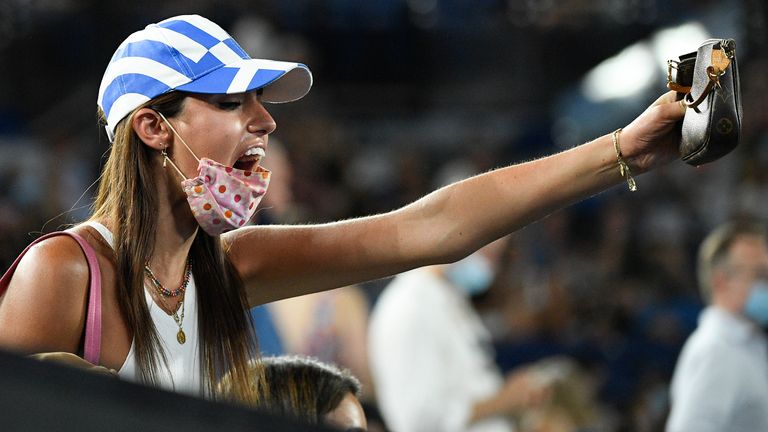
x,y
255,151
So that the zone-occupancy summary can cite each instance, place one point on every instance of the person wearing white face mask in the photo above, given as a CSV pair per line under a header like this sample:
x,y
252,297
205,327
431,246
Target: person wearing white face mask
x,y
721,378
431,356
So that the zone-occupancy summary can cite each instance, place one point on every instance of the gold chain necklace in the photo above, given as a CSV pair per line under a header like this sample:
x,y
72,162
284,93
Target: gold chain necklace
x,y
181,337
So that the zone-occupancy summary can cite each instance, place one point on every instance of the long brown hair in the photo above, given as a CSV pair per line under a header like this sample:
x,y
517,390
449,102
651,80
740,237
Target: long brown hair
x,y
128,198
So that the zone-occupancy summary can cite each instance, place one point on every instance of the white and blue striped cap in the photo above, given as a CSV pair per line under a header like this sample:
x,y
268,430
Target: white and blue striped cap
x,y
193,54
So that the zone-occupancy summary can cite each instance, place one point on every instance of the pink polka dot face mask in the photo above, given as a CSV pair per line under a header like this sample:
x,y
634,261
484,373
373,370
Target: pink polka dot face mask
x,y
222,198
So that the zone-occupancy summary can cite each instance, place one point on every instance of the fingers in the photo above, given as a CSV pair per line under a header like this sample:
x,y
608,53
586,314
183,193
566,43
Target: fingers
x,y
73,360
667,97
62,357
674,111
101,370
669,108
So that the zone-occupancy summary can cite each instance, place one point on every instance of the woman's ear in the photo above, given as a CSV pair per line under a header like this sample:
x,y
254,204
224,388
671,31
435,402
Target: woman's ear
x,y
151,128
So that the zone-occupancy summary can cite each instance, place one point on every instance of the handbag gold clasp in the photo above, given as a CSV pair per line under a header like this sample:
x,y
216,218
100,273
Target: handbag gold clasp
x,y
671,84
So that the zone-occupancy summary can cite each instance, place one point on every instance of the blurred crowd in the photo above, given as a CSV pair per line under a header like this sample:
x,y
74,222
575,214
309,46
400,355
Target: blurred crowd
x,y
409,94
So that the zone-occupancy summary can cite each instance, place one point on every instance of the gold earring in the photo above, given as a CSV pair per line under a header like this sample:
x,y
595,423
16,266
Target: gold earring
x,y
165,155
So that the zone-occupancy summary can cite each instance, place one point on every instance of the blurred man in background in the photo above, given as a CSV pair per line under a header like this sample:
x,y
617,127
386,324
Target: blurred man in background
x,y
721,379
431,357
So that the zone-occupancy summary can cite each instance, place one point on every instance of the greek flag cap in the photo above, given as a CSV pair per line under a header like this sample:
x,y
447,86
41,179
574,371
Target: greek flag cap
x,y
191,53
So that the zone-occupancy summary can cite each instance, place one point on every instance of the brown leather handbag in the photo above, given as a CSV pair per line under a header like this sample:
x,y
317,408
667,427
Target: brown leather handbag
x,y
708,81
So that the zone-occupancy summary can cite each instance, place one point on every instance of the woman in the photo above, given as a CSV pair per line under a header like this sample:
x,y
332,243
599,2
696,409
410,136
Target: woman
x,y
306,389
181,94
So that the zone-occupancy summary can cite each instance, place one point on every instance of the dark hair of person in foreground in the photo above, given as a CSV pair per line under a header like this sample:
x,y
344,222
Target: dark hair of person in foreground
x,y
306,389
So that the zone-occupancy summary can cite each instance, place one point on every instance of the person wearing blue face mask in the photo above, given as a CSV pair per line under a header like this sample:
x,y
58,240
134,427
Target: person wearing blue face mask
x,y
425,335
721,378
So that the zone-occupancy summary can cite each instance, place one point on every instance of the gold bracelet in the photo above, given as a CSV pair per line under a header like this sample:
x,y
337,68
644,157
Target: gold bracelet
x,y
623,167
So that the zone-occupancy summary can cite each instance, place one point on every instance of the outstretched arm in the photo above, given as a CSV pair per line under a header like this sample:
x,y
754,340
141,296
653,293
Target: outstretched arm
x,y
283,261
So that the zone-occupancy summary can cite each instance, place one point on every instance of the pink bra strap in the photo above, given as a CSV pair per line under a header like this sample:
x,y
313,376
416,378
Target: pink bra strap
x,y
92,348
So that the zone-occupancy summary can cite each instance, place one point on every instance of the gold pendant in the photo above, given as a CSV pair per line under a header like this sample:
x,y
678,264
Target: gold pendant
x,y
181,337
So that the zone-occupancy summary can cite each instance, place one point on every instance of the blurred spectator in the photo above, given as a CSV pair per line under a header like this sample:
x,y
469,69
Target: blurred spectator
x,y
721,378
426,337
331,326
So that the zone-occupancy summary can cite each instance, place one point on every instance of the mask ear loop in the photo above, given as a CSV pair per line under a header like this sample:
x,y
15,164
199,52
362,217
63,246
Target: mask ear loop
x,y
165,154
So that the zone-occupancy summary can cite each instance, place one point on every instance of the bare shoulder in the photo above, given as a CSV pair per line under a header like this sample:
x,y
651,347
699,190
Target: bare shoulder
x,y
44,307
56,263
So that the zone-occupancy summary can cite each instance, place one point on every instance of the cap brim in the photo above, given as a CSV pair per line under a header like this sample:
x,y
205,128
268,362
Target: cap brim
x,y
281,81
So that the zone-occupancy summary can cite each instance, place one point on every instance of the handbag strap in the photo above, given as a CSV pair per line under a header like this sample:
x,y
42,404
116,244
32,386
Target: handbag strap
x,y
722,53
92,344
713,81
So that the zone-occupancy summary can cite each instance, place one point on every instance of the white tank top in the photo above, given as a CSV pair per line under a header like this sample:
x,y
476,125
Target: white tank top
x,y
183,372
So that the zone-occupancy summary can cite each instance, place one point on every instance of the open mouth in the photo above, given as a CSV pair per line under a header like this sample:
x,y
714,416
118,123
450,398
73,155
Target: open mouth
x,y
250,159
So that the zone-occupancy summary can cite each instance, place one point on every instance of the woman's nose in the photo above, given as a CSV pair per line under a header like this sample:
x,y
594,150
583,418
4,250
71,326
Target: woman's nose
x,y
260,121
